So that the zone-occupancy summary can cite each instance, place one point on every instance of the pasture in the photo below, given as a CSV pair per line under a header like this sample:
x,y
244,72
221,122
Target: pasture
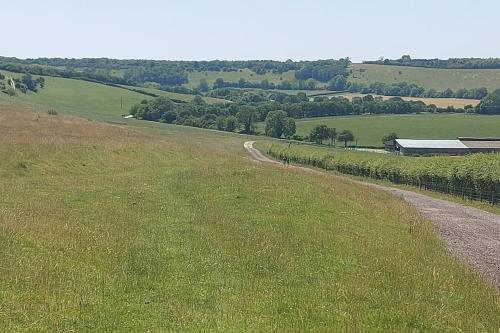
x,y
195,77
369,130
439,79
174,229
86,99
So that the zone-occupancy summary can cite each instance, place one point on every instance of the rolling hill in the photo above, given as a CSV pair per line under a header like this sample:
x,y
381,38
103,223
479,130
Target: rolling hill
x,y
109,229
439,79
88,99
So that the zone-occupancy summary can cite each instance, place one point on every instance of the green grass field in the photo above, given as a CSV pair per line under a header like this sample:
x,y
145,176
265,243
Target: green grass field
x,y
109,229
195,77
439,79
86,99
369,130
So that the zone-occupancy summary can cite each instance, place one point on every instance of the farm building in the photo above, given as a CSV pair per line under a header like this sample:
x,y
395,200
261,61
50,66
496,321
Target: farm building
x,y
461,146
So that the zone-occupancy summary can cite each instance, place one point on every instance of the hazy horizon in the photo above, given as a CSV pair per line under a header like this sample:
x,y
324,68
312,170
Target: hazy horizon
x,y
232,30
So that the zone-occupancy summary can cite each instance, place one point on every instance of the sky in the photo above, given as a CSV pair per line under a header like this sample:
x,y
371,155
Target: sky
x,y
256,29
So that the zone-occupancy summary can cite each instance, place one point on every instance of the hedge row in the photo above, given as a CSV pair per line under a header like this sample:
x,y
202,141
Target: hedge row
x,y
476,176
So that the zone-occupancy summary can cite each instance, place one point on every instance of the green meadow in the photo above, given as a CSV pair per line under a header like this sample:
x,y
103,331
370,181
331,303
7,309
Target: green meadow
x,y
171,228
369,130
87,99
429,78
195,77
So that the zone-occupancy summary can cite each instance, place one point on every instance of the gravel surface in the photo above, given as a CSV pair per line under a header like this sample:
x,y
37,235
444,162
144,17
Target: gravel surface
x,y
470,234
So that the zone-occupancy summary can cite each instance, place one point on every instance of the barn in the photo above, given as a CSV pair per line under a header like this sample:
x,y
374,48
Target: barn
x,y
460,146
481,145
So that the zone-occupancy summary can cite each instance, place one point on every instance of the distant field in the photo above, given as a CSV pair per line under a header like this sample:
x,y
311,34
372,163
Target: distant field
x,y
369,130
195,77
439,102
109,230
180,97
87,99
439,79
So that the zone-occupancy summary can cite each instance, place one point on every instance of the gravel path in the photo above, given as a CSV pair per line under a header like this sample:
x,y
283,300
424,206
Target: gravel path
x,y
470,234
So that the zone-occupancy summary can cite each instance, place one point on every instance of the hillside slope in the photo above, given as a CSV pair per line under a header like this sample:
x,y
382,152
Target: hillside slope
x,y
439,79
107,229
87,99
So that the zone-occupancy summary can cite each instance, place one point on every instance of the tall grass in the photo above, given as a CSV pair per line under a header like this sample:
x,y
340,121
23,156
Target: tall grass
x,y
105,229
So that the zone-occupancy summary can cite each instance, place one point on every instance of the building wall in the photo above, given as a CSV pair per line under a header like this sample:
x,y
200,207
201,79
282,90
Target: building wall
x,y
434,151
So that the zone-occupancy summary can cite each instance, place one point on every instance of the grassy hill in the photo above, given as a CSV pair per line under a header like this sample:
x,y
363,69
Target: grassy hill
x,y
109,229
369,130
439,79
87,99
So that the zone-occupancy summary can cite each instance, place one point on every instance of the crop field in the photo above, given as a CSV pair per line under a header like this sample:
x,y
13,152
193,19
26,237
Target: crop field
x,y
439,79
173,228
195,77
369,130
87,99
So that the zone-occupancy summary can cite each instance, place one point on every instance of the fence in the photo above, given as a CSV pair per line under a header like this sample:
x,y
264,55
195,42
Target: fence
x,y
469,190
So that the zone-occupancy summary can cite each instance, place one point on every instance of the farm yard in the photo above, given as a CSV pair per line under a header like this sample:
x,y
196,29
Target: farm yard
x,y
369,130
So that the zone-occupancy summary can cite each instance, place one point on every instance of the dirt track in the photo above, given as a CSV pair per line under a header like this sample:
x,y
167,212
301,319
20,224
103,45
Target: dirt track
x,y
470,234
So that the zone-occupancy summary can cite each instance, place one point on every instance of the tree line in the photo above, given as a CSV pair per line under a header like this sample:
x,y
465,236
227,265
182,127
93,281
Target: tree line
x,y
404,89
452,63
279,110
166,73
25,83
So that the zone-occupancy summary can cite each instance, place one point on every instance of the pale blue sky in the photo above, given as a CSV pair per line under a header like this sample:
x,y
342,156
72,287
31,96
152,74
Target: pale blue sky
x,y
259,29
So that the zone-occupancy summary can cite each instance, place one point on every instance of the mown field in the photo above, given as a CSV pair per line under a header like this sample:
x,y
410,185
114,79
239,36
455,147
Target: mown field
x,y
174,229
369,130
86,99
439,79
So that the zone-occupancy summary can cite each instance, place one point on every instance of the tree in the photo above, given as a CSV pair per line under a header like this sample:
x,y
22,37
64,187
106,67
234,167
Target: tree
x,y
203,86
231,124
346,136
338,83
278,124
290,127
332,135
490,104
27,80
248,117
169,117
311,84
219,83
319,133
390,137
220,123
198,100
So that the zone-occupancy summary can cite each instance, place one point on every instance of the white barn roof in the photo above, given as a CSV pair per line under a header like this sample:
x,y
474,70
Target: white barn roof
x,y
432,144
